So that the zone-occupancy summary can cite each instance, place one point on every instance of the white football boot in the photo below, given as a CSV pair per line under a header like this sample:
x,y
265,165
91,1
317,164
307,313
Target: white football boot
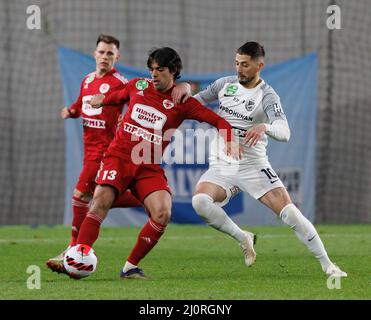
x,y
247,247
334,270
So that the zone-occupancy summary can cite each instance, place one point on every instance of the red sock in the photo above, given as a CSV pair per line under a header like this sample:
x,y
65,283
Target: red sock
x,y
89,230
79,208
147,239
126,200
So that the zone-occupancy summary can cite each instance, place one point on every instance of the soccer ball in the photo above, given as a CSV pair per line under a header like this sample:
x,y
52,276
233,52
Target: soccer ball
x,y
80,261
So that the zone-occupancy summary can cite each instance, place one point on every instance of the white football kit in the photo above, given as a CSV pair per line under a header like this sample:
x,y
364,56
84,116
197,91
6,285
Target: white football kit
x,y
244,108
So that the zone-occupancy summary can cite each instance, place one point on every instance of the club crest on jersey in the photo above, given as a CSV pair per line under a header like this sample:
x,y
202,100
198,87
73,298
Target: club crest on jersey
x,y
250,105
167,104
141,84
88,80
104,87
232,89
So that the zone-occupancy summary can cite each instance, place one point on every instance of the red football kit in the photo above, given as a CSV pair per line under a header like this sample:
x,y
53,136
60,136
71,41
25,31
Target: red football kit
x,y
99,125
132,160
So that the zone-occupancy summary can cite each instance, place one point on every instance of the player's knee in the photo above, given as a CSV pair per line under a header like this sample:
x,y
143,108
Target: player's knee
x,y
102,201
161,215
201,202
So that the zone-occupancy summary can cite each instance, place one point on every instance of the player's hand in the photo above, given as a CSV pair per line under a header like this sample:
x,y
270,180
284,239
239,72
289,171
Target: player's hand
x,y
181,92
254,134
97,100
67,113
233,149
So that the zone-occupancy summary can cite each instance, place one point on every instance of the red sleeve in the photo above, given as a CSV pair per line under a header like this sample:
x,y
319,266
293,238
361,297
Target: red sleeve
x,y
77,104
119,97
196,111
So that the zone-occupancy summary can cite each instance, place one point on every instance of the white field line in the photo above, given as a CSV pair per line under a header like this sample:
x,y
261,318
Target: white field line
x,y
119,238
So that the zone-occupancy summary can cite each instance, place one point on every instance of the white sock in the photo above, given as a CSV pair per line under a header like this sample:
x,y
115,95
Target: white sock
x,y
128,266
215,216
306,233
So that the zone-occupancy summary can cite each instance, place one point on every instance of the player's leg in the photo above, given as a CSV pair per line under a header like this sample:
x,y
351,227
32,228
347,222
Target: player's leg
x,y
104,196
114,174
208,201
126,200
279,201
158,204
151,188
80,206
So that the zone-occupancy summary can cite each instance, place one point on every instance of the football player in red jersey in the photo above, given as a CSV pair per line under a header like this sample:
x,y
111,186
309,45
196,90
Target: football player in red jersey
x,y
99,127
132,160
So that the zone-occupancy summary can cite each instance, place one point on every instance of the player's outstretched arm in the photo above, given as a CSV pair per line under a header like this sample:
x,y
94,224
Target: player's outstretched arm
x,y
67,113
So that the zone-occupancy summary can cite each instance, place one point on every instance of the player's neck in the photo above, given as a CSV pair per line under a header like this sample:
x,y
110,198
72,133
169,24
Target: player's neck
x,y
101,73
252,84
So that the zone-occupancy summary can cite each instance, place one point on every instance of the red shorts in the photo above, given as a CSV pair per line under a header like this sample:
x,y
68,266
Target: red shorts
x,y
141,179
86,183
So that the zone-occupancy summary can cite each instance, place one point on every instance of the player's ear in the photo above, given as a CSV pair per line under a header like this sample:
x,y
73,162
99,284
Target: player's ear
x,y
118,57
261,65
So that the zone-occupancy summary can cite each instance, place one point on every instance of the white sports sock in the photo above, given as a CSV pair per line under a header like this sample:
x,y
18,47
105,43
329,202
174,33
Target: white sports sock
x,y
128,266
215,216
306,233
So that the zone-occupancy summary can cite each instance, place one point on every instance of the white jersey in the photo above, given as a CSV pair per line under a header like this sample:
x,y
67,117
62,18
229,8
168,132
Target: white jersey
x,y
242,108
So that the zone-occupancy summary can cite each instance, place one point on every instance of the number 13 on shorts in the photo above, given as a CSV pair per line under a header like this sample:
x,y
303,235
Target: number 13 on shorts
x,y
109,175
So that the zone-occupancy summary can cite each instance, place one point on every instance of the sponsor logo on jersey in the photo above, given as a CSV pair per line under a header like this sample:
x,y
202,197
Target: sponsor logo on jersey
x,y
104,87
167,104
141,84
148,117
142,133
94,123
231,89
140,93
88,109
250,105
235,113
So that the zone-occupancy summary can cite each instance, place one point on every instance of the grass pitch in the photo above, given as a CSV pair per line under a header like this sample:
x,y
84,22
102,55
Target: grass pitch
x,y
190,263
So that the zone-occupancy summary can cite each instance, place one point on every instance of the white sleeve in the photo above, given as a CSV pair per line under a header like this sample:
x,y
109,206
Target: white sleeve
x,y
278,130
199,99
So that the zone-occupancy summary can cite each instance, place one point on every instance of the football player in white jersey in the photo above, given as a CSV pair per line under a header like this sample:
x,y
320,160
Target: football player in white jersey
x,y
254,110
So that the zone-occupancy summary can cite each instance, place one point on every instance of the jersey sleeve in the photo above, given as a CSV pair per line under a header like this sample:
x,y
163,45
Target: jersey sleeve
x,y
194,110
211,92
278,127
77,105
118,97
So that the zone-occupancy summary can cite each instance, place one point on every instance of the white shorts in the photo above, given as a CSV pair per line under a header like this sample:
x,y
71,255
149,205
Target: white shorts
x,y
256,179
